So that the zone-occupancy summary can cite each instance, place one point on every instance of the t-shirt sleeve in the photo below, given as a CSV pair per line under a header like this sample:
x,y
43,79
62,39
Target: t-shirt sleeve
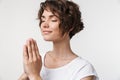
x,y
85,71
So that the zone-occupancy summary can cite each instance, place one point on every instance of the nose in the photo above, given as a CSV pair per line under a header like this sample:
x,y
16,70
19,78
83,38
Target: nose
x,y
45,24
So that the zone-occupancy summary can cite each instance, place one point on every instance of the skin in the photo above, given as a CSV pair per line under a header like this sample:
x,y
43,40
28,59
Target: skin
x,y
32,61
59,56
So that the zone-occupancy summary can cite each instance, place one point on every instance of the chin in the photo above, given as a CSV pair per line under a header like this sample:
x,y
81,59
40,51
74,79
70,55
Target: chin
x,y
50,38
47,39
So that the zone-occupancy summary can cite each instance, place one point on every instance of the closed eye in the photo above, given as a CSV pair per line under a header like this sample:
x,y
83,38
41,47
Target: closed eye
x,y
54,20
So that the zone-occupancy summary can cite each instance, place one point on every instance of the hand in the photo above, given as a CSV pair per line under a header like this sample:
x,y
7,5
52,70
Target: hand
x,y
23,77
31,59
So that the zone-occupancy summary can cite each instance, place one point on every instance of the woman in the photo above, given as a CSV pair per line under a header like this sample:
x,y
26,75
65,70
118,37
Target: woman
x,y
60,20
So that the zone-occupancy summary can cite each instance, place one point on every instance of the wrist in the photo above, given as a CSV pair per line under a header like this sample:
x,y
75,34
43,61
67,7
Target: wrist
x,y
35,77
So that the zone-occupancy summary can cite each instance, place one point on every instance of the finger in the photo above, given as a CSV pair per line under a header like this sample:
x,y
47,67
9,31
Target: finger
x,y
25,53
34,50
29,49
37,50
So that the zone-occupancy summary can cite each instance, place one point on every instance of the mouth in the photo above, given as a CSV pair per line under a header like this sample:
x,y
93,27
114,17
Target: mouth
x,y
46,32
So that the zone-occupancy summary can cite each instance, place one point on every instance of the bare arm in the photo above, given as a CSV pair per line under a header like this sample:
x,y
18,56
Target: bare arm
x,y
89,78
23,77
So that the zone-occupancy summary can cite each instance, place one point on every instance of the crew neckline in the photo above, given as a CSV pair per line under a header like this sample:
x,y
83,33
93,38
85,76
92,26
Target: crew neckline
x,y
64,66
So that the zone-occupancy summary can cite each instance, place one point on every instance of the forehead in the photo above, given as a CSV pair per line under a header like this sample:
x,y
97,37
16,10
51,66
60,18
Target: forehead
x,y
48,13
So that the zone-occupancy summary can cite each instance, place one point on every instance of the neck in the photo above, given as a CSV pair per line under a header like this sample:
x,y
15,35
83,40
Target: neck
x,y
62,48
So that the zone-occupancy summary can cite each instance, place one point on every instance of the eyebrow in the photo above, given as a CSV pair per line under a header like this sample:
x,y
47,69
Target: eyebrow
x,y
50,16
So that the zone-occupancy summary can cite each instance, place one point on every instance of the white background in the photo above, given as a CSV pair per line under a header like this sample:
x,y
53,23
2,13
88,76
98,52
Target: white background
x,y
99,42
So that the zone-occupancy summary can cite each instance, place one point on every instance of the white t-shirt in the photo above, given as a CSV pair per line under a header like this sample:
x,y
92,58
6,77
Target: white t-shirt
x,y
75,70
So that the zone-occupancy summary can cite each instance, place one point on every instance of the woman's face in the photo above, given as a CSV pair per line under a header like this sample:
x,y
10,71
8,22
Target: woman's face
x,y
50,26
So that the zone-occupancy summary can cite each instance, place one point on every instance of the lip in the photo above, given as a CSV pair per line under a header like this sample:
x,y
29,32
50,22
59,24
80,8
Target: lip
x,y
46,32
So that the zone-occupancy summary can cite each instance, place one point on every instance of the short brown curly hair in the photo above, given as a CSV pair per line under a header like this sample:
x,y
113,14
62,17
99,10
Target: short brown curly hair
x,y
68,13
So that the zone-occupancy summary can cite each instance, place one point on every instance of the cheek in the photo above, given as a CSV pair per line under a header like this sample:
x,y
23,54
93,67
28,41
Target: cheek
x,y
54,26
56,30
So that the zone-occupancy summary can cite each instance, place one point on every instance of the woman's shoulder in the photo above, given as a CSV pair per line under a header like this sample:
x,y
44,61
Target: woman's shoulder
x,y
81,61
84,68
